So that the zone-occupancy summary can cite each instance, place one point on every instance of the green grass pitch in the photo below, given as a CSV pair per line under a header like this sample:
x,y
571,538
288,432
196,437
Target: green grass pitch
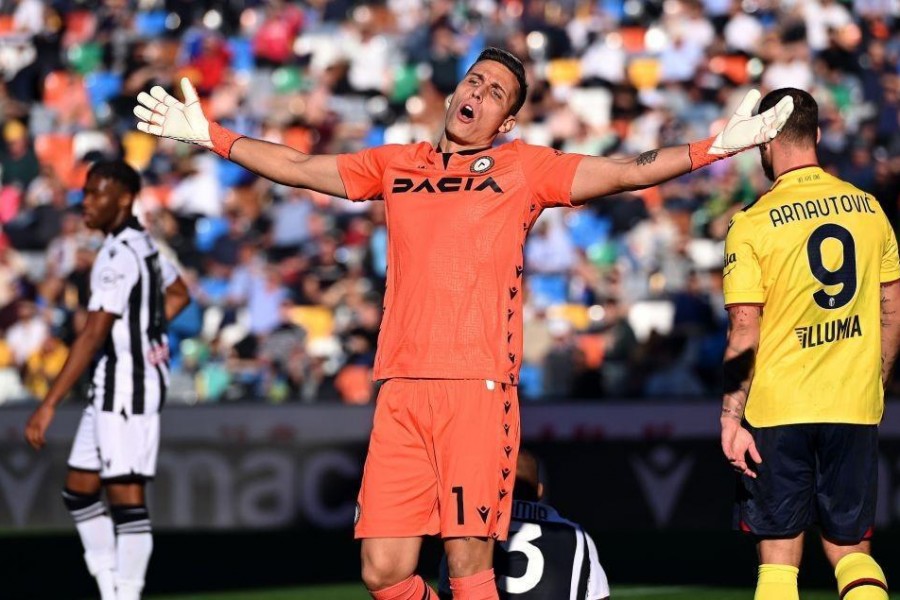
x,y
355,592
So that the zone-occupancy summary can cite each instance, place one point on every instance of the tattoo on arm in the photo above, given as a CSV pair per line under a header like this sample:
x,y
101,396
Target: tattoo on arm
x,y
647,157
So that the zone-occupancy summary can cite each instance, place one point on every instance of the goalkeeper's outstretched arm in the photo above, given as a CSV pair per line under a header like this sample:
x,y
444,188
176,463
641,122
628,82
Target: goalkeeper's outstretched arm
x,y
163,115
600,176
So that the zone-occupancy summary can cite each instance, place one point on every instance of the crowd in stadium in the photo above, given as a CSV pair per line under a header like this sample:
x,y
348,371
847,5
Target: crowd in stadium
x,y
623,296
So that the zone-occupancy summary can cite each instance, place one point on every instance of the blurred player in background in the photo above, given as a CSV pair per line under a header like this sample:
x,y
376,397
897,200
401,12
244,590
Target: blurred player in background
x,y
546,556
442,454
134,294
811,285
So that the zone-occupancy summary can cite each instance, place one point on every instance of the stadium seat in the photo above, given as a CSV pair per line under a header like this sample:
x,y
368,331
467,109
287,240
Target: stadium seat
x,y
86,57
644,73
565,72
153,196
242,59
90,141
406,83
102,86
139,148
548,288
587,228
287,80
374,137
150,24
59,87
651,315
80,27
10,200
57,151
633,39
531,381
593,347
318,321
734,67
208,230
476,45
232,174
298,138
354,382
575,314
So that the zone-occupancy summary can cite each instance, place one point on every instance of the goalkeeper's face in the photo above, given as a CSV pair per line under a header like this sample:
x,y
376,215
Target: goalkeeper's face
x,y
106,203
765,157
480,106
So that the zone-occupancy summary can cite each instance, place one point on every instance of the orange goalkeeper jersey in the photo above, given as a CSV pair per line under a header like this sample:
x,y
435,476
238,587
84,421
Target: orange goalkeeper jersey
x,y
456,233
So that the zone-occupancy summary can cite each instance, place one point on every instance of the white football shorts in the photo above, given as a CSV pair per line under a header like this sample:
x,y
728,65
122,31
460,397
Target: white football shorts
x,y
116,445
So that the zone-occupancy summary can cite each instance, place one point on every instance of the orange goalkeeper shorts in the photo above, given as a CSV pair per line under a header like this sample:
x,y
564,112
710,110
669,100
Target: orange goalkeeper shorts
x,y
442,460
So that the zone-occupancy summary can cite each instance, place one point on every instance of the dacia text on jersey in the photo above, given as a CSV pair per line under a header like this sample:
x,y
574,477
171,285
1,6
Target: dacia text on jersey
x,y
822,207
444,185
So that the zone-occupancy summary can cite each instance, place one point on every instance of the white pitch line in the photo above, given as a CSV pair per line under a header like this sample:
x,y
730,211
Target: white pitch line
x,y
648,591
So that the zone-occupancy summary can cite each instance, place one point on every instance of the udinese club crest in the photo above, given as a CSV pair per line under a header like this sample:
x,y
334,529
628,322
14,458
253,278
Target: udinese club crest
x,y
482,165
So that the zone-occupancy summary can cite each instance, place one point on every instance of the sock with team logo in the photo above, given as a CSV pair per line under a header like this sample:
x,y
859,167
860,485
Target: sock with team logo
x,y
411,588
480,586
777,582
134,544
860,578
95,529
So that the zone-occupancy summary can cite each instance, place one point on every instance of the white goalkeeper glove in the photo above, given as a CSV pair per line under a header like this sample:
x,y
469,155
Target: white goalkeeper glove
x,y
161,114
743,130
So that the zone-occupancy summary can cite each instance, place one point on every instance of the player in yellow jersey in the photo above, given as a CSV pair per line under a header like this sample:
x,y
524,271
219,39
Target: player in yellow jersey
x,y
812,291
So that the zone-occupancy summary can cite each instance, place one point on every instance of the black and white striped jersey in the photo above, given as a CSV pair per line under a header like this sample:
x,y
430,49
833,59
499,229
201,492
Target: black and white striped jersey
x,y
128,279
545,557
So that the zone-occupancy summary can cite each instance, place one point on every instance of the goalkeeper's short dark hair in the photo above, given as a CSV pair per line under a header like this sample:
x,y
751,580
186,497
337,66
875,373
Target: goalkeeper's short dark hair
x,y
515,66
802,127
117,170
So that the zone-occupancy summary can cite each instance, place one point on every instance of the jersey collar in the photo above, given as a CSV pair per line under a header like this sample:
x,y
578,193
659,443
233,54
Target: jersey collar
x,y
129,223
793,170
446,156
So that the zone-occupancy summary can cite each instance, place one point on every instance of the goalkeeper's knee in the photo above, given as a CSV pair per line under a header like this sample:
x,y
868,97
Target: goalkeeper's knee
x,y
860,578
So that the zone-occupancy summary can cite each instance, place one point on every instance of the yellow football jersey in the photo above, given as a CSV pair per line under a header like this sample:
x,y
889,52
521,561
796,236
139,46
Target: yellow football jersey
x,y
813,251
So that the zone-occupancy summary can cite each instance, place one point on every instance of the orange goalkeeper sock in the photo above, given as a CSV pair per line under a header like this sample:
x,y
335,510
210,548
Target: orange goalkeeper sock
x,y
480,586
411,588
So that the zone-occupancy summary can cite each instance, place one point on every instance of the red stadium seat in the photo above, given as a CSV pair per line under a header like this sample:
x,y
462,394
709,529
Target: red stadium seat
x,y
56,150
60,87
80,27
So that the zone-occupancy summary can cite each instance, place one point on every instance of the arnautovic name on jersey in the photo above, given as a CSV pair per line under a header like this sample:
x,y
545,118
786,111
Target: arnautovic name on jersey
x,y
820,207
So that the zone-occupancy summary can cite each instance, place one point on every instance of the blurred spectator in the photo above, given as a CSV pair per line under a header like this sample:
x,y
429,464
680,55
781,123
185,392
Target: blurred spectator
x,y
19,163
43,366
619,350
28,334
289,284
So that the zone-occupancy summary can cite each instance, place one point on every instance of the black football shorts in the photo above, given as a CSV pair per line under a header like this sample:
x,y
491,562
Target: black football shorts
x,y
812,474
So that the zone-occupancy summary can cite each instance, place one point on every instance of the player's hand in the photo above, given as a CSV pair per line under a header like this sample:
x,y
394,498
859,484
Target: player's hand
x,y
744,130
737,443
161,114
37,426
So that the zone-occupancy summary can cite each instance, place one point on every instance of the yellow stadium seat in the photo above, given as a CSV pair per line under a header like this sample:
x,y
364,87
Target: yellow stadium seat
x,y
644,73
575,314
564,72
139,148
316,320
